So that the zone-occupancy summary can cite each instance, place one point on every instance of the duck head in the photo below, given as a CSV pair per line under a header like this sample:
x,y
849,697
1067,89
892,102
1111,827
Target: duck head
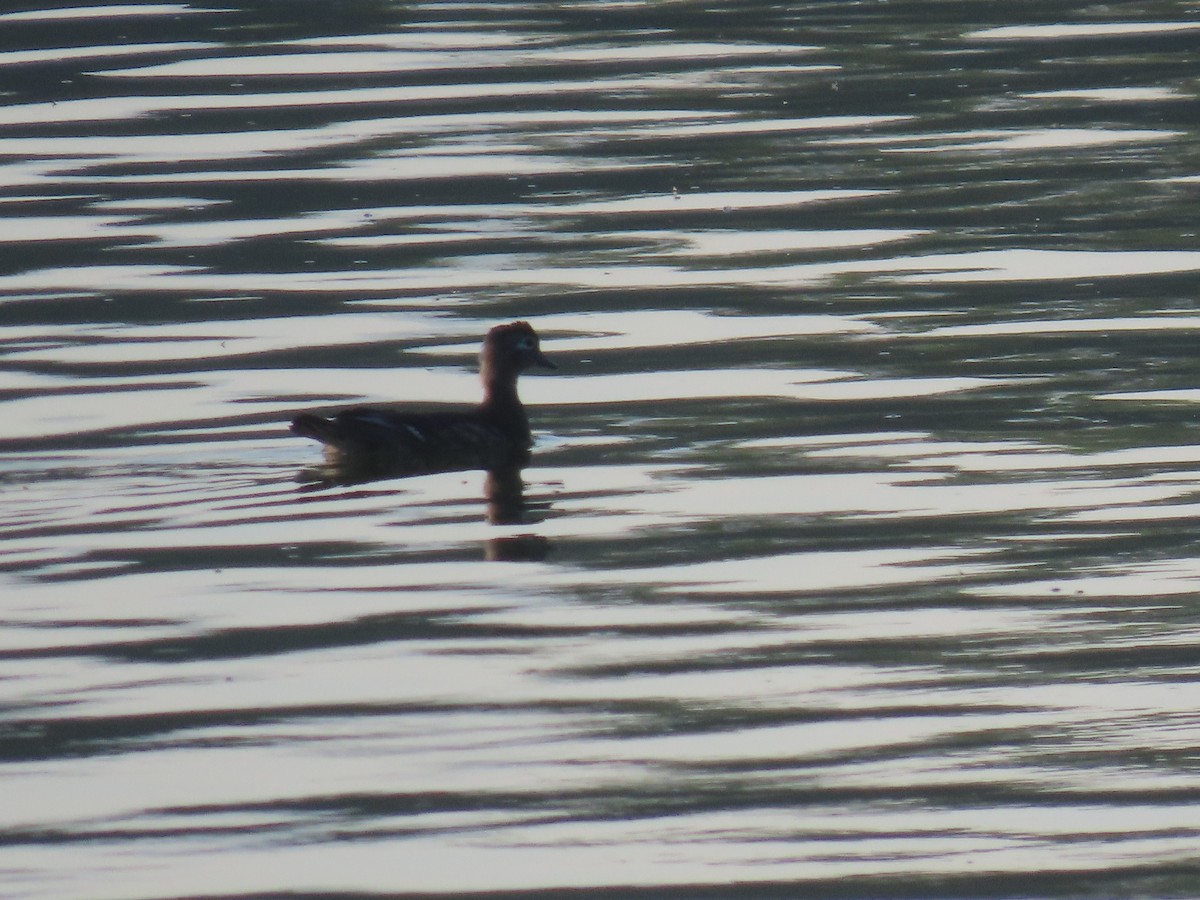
x,y
511,349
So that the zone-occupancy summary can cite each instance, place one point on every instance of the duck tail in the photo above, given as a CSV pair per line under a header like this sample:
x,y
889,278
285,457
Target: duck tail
x,y
310,426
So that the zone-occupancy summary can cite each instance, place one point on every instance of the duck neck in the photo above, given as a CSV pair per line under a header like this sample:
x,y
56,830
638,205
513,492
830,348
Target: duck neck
x,y
500,390
503,408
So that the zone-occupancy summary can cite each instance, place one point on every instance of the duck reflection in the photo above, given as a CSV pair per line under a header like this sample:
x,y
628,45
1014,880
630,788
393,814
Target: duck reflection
x,y
504,491
368,443
503,495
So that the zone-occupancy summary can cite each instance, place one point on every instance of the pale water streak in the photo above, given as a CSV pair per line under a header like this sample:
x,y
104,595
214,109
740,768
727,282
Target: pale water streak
x,y
856,553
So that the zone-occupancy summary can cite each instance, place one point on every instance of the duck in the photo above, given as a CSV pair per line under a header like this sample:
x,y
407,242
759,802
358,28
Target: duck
x,y
493,435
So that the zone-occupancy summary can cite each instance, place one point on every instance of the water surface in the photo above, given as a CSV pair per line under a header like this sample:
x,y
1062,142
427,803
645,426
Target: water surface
x,y
855,557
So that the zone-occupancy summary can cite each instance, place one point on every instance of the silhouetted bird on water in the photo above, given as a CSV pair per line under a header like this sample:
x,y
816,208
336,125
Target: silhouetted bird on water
x,y
494,435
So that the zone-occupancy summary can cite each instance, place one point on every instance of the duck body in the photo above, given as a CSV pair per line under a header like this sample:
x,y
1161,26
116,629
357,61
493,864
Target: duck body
x,y
493,435
429,441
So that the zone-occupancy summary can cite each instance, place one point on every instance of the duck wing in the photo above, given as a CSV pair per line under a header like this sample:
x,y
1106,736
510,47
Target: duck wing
x,y
420,439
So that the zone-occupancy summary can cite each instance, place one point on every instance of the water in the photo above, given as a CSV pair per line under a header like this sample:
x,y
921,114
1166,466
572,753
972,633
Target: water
x,y
855,557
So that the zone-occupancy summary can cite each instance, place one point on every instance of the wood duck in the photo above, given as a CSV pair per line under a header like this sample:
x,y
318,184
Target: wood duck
x,y
493,435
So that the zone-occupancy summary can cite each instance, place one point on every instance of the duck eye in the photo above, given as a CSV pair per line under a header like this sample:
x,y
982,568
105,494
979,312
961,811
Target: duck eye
x,y
525,343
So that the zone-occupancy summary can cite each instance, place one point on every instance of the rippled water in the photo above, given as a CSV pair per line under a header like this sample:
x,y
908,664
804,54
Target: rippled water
x,y
856,554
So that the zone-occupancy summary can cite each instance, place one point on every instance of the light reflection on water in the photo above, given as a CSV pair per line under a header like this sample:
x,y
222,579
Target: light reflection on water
x,y
856,542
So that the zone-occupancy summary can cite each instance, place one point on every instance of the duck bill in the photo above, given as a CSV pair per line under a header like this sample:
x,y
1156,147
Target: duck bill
x,y
543,362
